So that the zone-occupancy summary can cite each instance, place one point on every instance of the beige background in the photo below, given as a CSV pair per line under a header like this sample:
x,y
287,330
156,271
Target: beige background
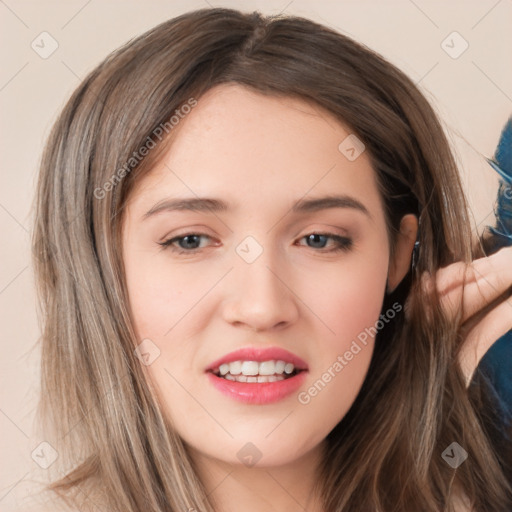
x,y
472,93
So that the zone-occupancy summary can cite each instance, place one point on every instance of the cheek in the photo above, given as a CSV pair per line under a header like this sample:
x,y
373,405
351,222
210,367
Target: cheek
x,y
349,302
159,298
348,298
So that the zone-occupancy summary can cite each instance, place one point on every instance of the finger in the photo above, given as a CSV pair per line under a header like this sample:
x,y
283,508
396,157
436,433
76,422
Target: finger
x,y
477,284
482,336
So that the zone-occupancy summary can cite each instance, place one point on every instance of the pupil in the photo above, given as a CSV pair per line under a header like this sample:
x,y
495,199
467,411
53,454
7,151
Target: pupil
x,y
314,238
189,237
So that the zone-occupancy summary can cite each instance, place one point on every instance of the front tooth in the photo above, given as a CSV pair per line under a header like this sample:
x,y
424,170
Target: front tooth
x,y
235,368
250,368
280,366
229,377
223,369
289,368
267,368
252,379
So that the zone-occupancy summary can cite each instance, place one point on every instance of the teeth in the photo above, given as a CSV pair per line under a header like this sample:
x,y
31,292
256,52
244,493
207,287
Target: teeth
x,y
259,378
280,366
235,368
250,368
267,368
252,371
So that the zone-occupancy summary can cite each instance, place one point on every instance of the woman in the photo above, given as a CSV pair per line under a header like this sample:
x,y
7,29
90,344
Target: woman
x,y
256,370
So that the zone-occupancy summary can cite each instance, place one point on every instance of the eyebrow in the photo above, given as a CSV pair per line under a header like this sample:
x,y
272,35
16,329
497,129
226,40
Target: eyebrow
x,y
214,205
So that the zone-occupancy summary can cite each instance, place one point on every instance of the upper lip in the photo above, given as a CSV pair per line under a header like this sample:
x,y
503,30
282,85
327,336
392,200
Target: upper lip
x,y
260,354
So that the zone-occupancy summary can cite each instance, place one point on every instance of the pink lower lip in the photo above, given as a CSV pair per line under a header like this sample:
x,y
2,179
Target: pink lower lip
x,y
258,392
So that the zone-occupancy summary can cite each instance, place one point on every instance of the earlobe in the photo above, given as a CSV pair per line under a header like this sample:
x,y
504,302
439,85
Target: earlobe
x,y
401,262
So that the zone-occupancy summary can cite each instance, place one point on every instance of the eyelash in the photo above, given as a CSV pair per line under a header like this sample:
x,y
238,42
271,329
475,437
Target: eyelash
x,y
344,243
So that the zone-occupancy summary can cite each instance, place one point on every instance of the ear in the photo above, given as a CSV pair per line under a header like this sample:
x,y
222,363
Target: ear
x,y
401,262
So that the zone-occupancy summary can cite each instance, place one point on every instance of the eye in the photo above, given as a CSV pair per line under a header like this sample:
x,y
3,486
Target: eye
x,y
187,244
341,243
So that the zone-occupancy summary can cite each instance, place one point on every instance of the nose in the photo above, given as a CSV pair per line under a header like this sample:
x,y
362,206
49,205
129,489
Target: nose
x,y
260,296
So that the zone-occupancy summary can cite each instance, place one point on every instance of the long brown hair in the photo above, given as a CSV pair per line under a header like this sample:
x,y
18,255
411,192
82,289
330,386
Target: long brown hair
x,y
98,409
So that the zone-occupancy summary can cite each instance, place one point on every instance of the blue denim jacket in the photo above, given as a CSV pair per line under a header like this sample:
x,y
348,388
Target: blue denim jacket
x,y
496,365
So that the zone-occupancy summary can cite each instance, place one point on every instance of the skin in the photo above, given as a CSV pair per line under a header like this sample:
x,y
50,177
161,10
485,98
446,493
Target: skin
x,y
483,288
260,154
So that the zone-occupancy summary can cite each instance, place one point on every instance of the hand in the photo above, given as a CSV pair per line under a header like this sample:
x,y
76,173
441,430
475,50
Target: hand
x,y
486,303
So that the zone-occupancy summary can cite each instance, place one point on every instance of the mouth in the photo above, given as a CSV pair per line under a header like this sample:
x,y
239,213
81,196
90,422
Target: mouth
x,y
256,372
258,375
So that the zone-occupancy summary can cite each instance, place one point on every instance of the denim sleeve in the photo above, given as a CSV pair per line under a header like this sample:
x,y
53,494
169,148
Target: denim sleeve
x,y
496,365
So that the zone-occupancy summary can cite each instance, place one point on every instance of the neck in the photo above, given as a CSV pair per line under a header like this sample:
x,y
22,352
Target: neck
x,y
286,488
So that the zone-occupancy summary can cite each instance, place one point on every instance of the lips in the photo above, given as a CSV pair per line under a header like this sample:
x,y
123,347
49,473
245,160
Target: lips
x,y
258,376
258,393
259,355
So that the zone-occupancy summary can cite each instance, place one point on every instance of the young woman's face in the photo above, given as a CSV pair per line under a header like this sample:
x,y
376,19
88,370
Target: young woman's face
x,y
266,266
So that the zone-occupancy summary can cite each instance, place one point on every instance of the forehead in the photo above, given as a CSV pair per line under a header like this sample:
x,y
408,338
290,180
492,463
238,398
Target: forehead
x,y
254,149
